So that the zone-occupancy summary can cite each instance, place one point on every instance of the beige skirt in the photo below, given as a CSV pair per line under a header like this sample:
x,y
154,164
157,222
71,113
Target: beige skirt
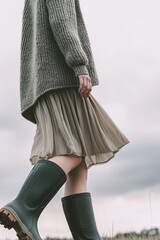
x,y
70,124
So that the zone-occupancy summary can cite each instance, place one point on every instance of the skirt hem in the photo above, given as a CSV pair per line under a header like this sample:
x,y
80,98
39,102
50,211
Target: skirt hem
x,y
34,159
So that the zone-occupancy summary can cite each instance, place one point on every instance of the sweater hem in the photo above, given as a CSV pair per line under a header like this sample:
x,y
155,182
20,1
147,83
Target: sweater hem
x,y
27,112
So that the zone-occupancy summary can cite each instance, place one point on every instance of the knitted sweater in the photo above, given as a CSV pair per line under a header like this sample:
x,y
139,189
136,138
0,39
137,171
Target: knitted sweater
x,y
55,49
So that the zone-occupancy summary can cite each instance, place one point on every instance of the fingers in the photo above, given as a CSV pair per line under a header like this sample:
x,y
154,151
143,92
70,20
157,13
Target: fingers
x,y
89,88
85,85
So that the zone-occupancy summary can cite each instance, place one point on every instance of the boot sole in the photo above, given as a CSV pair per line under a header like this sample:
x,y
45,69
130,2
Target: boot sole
x,y
9,220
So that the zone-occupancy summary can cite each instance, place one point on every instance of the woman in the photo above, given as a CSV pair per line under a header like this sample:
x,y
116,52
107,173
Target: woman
x,y
73,131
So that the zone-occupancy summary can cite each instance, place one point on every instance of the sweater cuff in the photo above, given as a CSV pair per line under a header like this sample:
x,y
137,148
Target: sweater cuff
x,y
80,70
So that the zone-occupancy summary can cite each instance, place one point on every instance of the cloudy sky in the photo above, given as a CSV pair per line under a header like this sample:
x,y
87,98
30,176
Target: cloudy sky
x,y
125,39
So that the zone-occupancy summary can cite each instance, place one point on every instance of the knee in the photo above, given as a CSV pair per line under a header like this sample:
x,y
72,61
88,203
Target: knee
x,y
76,160
79,172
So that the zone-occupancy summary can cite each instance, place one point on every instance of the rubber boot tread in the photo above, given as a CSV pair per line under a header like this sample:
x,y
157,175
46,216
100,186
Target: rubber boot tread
x,y
9,221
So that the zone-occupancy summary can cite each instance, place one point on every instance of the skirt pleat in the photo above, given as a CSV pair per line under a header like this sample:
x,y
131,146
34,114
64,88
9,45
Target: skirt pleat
x,y
69,124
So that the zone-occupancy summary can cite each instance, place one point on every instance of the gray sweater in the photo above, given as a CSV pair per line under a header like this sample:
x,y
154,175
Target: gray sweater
x,y
55,49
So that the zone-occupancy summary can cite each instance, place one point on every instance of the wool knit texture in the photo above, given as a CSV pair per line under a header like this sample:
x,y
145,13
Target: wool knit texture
x,y
55,49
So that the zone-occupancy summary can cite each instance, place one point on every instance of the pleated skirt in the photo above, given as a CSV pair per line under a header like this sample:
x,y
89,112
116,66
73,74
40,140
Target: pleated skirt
x,y
70,124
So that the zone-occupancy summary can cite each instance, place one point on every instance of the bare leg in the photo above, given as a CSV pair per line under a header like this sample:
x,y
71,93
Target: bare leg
x,y
67,162
77,180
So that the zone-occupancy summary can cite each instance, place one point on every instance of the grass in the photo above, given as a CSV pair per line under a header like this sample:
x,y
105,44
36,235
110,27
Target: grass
x,y
106,238
120,238
151,234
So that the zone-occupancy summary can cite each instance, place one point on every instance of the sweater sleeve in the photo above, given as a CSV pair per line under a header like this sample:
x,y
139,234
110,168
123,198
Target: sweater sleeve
x,y
62,18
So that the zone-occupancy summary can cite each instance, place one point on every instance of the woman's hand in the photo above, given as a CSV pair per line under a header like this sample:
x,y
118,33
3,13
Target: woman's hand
x,y
85,85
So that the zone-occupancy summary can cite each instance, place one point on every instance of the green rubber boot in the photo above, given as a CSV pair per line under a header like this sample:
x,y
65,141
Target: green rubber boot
x,y
42,183
79,214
